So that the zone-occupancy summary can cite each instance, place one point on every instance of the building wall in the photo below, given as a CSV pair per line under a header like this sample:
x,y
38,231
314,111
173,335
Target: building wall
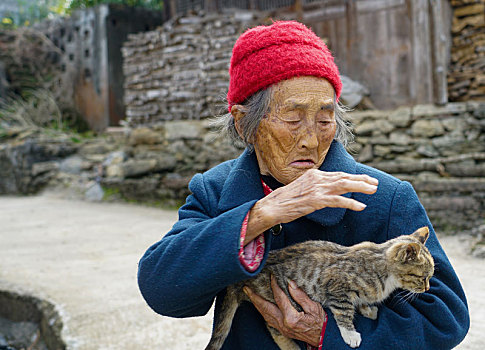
x,y
399,49
179,71
91,41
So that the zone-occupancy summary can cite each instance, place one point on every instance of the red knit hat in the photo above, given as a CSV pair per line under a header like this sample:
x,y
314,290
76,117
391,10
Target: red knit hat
x,y
265,55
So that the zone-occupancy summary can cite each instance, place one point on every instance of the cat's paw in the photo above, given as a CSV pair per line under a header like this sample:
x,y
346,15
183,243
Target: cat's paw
x,y
352,338
369,311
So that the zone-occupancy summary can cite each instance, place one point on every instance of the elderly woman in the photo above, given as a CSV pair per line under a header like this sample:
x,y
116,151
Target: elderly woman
x,y
294,182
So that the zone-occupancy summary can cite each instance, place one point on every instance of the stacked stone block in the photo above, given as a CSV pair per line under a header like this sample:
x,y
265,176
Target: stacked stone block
x,y
180,70
440,150
466,77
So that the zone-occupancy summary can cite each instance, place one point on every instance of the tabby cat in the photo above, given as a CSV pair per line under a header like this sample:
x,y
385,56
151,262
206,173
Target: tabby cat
x,y
340,278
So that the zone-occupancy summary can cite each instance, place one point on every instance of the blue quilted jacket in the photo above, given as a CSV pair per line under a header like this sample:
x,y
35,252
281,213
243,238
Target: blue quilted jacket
x,y
180,275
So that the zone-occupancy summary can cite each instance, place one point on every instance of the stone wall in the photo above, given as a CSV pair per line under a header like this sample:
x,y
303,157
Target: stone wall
x,y
29,161
156,164
440,150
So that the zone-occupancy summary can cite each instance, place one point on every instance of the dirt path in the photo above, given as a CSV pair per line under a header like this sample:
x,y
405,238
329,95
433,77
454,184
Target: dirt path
x,y
471,272
83,257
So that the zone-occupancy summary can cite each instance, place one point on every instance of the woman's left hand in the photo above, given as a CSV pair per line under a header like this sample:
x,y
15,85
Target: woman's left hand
x,y
305,325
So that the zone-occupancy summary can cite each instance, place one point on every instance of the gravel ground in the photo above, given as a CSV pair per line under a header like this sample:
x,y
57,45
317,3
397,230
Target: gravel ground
x,y
471,272
83,257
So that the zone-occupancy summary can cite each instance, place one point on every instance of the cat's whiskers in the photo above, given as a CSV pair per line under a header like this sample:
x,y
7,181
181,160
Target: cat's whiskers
x,y
402,297
399,298
410,296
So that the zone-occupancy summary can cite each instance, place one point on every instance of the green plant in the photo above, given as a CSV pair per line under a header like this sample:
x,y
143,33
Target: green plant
x,y
111,193
30,12
151,4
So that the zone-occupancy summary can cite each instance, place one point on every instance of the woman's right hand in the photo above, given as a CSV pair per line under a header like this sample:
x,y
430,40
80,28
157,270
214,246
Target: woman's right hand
x,y
312,191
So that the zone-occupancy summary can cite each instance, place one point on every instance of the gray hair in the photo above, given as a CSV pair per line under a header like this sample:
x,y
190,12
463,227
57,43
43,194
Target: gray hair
x,y
257,106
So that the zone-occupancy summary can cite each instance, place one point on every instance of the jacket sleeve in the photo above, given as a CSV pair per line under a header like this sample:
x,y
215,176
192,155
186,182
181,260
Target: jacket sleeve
x,y
180,275
437,319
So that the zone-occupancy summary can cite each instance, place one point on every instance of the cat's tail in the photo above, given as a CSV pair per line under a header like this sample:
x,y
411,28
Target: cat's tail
x,y
223,320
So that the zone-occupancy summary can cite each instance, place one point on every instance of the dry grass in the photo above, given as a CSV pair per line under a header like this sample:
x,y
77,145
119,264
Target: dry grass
x,y
38,110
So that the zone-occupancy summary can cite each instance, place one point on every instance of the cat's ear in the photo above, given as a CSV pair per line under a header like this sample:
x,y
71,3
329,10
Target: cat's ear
x,y
408,251
412,251
421,234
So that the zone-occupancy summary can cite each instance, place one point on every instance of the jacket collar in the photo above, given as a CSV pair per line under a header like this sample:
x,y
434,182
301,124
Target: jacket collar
x,y
243,183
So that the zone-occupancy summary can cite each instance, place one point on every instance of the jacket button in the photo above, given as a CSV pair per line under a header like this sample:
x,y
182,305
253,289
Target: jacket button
x,y
276,229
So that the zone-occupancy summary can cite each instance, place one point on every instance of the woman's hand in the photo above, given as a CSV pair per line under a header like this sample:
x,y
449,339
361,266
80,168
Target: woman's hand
x,y
306,325
312,191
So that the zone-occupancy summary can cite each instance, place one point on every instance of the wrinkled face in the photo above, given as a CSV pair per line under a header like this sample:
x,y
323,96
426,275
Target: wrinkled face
x,y
297,132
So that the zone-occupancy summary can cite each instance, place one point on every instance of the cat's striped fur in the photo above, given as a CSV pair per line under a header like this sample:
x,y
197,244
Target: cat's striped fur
x,y
340,278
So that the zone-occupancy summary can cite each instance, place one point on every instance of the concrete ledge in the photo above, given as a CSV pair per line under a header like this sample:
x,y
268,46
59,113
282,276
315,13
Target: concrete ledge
x,y
19,307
